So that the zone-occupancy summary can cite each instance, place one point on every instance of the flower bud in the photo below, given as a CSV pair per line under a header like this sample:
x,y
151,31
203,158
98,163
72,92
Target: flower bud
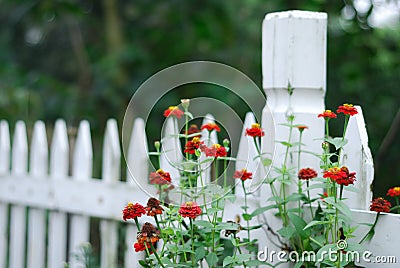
x,y
325,145
157,145
226,142
185,103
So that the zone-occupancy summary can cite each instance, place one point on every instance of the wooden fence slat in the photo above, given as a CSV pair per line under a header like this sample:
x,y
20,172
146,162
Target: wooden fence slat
x,y
171,150
137,174
209,139
81,171
18,212
4,169
110,175
245,155
357,157
59,161
37,217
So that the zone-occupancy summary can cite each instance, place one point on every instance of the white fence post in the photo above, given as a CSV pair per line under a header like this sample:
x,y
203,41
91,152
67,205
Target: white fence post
x,y
18,212
37,217
4,169
59,163
110,175
293,54
81,171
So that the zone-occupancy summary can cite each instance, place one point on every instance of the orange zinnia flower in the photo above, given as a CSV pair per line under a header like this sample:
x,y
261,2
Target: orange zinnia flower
x,y
153,207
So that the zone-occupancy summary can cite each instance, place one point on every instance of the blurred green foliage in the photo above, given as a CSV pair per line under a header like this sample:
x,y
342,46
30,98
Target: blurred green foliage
x,y
84,59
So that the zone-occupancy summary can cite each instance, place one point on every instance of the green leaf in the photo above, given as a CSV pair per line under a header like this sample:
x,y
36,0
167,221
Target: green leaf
x,y
203,223
207,160
243,257
261,210
247,217
342,207
337,142
299,225
189,115
285,143
228,260
212,259
287,232
313,223
266,161
199,253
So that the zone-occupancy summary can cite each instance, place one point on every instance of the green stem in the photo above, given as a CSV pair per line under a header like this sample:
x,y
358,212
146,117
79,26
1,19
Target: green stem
x,y
192,237
245,211
157,257
299,183
309,199
283,186
372,228
240,251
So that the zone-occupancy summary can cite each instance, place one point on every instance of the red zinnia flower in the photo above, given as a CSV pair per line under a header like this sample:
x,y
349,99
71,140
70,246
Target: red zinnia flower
x,y
160,177
210,127
307,174
395,191
327,114
173,110
242,174
190,210
192,145
141,246
380,205
153,207
132,211
348,109
255,131
148,234
341,176
216,150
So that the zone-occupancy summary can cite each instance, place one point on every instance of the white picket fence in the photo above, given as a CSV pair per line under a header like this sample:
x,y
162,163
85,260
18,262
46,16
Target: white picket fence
x,y
34,181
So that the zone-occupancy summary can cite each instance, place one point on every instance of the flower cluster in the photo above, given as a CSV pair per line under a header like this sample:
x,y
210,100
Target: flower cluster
x,y
341,176
192,145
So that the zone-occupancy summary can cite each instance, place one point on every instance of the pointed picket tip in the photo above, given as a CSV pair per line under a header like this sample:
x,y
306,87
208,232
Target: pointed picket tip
x,y
83,153
171,153
5,147
39,150
20,149
111,152
59,156
209,118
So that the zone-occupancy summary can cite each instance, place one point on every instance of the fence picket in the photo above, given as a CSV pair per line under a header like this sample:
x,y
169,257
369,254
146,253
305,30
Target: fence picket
x,y
246,153
37,217
81,171
171,150
4,169
137,172
59,161
209,139
110,175
357,157
18,212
